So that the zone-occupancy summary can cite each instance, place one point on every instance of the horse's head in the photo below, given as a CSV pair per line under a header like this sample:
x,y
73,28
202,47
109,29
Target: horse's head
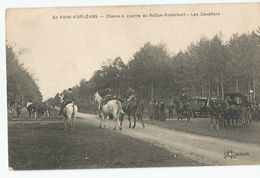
x,y
61,98
97,97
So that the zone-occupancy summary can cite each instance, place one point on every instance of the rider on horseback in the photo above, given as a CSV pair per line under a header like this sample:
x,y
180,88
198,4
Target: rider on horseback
x,y
107,95
130,96
67,99
184,100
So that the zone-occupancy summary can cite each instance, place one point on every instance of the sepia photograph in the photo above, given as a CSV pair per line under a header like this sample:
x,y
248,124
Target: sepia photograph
x,y
139,86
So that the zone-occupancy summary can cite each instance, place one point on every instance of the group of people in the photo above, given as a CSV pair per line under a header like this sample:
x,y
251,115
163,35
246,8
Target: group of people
x,y
108,95
157,110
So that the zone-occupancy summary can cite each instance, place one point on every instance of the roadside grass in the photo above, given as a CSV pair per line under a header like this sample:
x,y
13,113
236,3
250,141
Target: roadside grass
x,y
47,146
201,126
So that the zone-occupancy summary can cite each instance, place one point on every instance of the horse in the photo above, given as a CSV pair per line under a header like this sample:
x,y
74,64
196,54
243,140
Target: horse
x,y
183,109
113,107
218,112
170,109
47,109
69,112
39,108
31,108
135,108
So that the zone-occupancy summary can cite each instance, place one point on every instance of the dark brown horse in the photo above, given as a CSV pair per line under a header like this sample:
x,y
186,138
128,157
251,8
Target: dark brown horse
x,y
218,113
183,109
134,108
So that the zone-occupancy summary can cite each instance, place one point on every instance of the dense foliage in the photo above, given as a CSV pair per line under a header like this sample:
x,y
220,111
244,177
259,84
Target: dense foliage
x,y
207,68
21,86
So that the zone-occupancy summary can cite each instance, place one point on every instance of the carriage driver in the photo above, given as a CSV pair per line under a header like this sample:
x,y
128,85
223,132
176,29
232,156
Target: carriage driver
x,y
68,98
184,98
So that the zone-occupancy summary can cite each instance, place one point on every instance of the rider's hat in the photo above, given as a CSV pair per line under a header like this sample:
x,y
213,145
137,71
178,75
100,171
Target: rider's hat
x,y
70,89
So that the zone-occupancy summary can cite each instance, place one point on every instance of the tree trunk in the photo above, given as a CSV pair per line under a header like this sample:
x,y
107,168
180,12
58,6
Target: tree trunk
x,y
192,89
119,89
254,88
152,91
202,89
222,89
248,89
209,85
218,95
237,85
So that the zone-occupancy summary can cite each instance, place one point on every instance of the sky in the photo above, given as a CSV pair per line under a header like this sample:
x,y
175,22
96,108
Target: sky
x,y
59,52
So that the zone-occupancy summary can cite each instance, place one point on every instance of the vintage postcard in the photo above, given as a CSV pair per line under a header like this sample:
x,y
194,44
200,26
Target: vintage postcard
x,y
133,86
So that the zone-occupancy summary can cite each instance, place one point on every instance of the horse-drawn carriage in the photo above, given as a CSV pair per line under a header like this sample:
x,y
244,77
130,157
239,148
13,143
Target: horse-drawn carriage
x,y
200,106
234,109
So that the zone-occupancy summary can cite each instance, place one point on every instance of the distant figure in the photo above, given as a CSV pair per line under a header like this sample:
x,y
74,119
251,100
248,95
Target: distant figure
x,y
18,110
162,111
139,112
156,110
151,110
171,108
184,97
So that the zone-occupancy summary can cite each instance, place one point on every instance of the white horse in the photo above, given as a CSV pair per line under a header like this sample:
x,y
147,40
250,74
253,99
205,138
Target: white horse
x,y
69,112
113,107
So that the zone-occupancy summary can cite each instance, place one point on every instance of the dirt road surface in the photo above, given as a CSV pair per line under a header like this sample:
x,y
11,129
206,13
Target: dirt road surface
x,y
207,150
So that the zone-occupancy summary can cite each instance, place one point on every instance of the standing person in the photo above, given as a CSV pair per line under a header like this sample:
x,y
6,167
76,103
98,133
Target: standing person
x,y
151,110
156,110
170,108
162,111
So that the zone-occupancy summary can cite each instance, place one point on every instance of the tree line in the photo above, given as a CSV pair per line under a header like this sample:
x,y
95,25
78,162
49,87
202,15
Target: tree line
x,y
21,86
207,68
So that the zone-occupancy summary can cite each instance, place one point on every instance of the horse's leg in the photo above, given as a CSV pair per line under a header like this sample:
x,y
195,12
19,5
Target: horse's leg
x,y
217,122
72,122
118,121
129,119
101,119
104,121
141,118
65,123
188,116
134,121
121,120
211,122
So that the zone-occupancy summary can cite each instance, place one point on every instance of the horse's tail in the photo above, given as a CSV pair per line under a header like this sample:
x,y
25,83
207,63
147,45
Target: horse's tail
x,y
120,110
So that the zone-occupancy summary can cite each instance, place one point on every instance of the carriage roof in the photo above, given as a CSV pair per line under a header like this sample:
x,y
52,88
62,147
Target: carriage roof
x,y
240,95
235,95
